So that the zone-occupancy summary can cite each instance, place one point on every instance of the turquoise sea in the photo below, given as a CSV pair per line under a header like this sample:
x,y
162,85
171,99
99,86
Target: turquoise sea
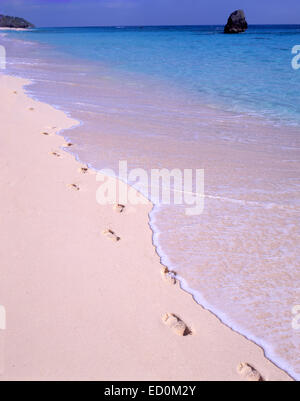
x,y
250,72
192,97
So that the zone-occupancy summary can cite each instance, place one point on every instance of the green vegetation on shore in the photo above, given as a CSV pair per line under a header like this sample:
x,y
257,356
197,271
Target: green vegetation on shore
x,y
14,22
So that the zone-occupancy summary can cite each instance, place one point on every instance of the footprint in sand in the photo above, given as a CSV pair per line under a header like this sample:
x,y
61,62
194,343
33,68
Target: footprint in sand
x,y
75,187
249,373
55,154
168,276
119,208
83,170
111,235
176,325
45,133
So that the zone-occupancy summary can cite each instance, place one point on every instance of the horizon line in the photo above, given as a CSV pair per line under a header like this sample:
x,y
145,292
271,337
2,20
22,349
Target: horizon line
x,y
149,26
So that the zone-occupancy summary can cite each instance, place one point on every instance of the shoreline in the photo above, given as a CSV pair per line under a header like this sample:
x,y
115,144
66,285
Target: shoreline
x,y
14,29
127,339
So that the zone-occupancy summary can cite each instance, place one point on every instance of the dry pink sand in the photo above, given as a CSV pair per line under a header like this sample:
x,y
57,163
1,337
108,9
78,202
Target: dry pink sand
x,y
80,306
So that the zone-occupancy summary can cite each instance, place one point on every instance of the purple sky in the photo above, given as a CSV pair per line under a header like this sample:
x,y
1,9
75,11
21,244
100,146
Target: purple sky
x,y
149,12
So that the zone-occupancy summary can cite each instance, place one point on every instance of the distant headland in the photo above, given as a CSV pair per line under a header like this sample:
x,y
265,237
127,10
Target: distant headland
x,y
14,22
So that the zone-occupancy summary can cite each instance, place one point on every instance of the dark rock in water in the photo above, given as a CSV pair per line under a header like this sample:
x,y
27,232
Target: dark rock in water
x,y
14,22
236,23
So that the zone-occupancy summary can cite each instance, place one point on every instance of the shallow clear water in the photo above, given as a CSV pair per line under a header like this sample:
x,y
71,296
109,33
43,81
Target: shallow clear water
x,y
250,72
191,97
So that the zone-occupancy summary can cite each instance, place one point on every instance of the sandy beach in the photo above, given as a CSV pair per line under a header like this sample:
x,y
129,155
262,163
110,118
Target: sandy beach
x,y
79,305
13,29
